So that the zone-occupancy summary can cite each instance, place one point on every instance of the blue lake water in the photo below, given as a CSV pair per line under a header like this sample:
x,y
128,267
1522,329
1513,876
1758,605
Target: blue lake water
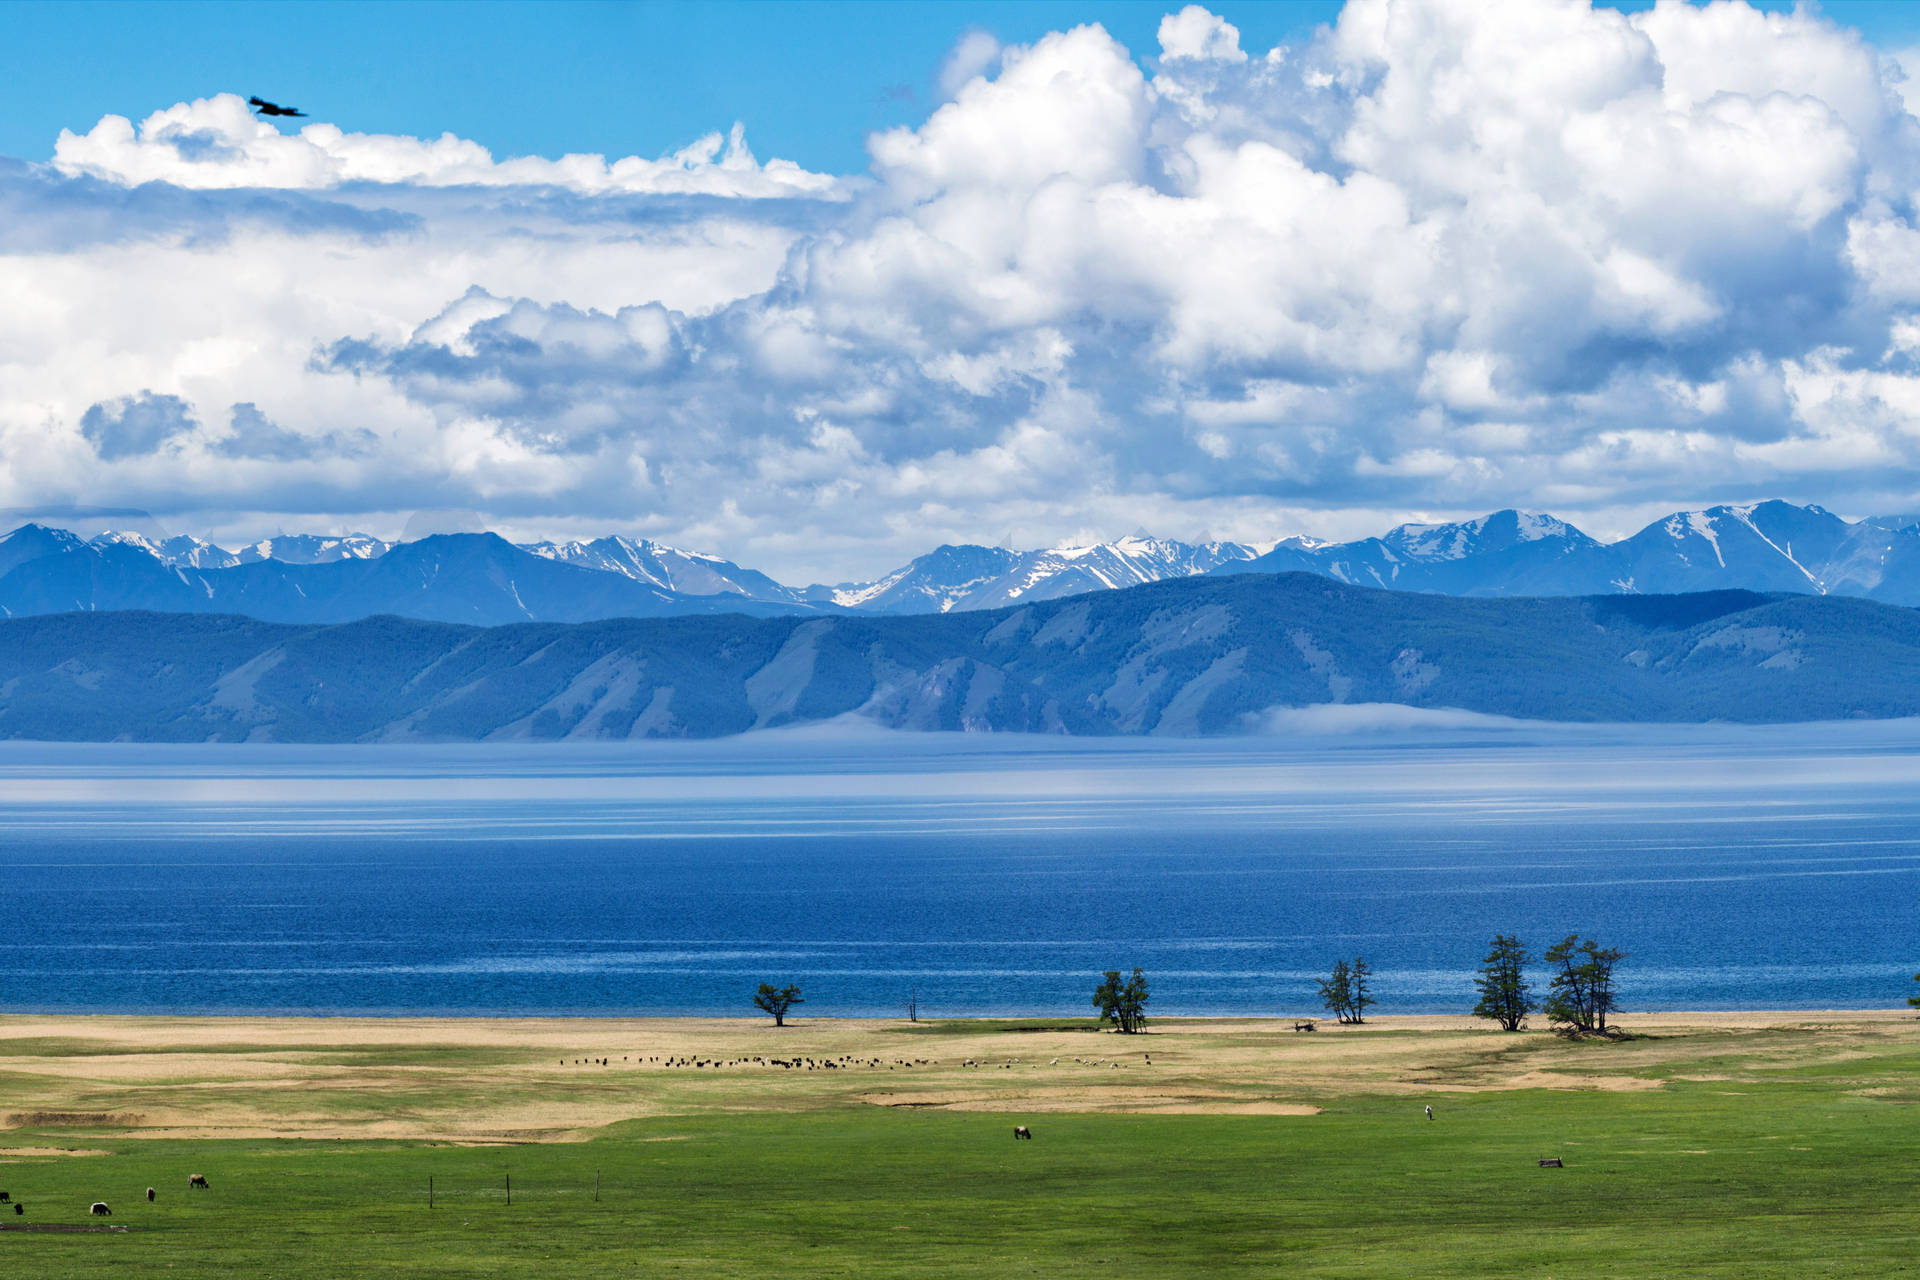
x,y
1740,868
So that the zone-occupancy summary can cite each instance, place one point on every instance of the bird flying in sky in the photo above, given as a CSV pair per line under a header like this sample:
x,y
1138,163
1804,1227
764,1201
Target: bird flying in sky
x,y
262,107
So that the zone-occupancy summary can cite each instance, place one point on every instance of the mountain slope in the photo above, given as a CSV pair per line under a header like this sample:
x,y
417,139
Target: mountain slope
x,y
1196,656
669,568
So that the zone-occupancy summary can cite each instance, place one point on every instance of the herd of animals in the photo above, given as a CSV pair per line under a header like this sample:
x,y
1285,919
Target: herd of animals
x,y
99,1208
830,1064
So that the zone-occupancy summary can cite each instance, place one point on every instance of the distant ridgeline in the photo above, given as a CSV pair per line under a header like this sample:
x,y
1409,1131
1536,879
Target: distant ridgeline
x,y
1201,655
483,579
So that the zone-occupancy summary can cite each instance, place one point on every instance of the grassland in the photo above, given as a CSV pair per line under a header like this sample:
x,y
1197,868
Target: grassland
x,y
1750,1146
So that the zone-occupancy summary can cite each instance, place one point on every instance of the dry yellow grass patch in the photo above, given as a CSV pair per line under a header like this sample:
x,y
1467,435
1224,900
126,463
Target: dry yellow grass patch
x,y
528,1079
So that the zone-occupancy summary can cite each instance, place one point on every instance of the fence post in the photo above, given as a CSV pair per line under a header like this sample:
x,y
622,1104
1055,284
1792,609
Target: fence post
x,y
509,1188
429,1191
596,1186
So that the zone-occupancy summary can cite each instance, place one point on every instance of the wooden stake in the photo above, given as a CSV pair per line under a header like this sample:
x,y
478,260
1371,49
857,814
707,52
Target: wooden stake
x,y
509,1188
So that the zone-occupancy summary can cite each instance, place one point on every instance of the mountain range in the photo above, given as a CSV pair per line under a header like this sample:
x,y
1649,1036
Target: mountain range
x,y
1202,655
482,579
475,578
1770,546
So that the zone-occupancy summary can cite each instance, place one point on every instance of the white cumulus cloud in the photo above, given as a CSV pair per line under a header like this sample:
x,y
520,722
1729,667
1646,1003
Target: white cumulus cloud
x,y
1437,258
219,142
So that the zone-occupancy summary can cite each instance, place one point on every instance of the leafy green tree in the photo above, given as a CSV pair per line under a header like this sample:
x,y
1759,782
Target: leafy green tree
x,y
1581,994
1914,1001
1336,990
1345,992
1505,994
1124,1004
1361,993
777,1000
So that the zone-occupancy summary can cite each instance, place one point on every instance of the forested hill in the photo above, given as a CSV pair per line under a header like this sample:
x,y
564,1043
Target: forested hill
x,y
1196,656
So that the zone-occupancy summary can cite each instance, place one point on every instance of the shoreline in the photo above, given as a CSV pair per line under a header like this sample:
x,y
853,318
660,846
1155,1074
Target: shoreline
x,y
1629,1021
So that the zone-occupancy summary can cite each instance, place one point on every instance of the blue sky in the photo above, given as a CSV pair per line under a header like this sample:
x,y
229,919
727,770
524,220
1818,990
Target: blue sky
x,y
810,81
968,272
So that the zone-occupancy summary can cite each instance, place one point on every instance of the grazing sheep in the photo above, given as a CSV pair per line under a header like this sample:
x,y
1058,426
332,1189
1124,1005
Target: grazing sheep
x,y
4,1197
100,1209
197,1180
1021,1131
19,1208
1429,1113
149,1195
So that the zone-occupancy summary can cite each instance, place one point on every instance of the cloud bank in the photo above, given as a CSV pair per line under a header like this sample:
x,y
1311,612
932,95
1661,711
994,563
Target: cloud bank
x,y
1442,257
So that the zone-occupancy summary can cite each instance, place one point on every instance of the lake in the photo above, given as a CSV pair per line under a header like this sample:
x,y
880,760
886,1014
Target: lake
x,y
1739,867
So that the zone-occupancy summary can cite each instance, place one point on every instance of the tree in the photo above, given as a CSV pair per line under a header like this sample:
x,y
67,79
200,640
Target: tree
x,y
1914,1001
1505,994
1580,994
1336,990
1345,992
1361,972
777,1000
913,1004
1124,1004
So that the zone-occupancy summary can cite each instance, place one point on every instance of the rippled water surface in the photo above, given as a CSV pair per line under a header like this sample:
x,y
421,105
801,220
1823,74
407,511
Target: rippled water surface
x,y
1740,868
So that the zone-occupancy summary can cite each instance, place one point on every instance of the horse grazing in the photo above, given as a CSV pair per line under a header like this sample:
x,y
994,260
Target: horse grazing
x,y
1021,1131
197,1180
100,1209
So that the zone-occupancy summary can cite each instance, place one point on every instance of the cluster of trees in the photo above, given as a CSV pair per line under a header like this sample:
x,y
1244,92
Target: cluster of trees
x,y
1345,992
1580,987
1122,1004
1580,990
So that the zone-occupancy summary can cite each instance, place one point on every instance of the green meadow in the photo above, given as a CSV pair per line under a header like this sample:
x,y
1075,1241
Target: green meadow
x,y
1783,1147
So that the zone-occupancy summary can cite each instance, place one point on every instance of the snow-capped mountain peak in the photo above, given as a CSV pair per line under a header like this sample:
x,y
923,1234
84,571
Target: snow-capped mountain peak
x,y
314,548
975,577
668,568
1461,539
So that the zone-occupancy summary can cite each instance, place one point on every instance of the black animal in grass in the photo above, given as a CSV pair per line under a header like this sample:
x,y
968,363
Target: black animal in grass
x,y
264,108
1021,1131
100,1209
149,1195
197,1180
